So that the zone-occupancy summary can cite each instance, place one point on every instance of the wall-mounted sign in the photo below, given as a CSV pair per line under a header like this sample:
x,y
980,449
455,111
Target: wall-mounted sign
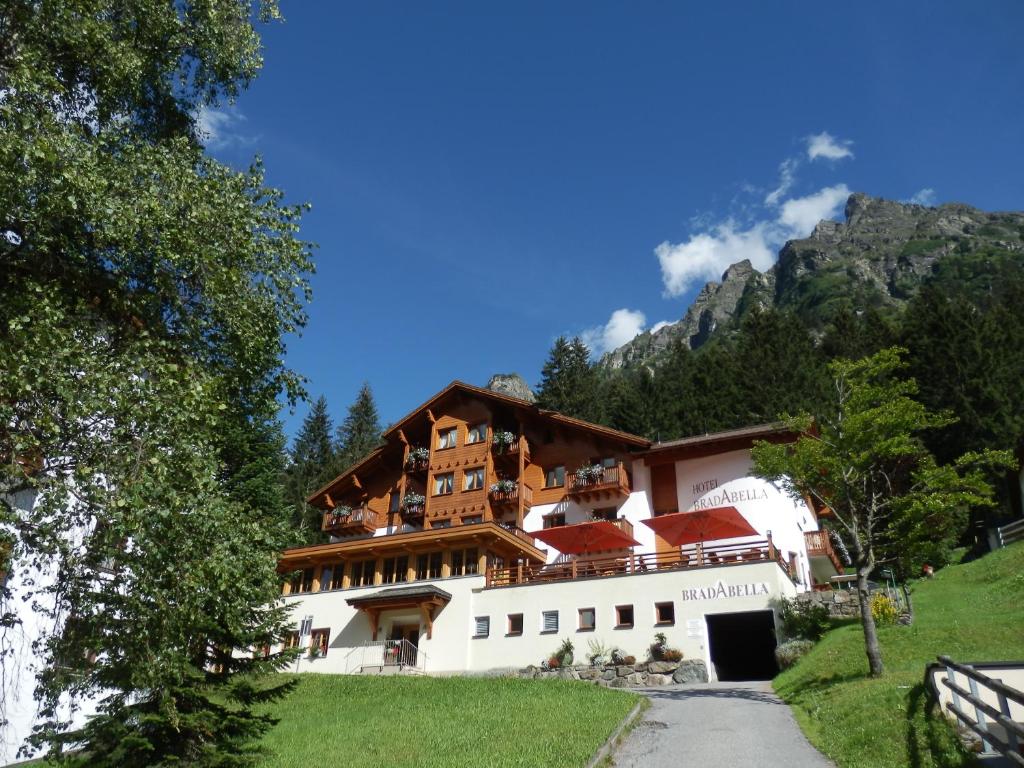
x,y
704,486
725,498
694,628
721,591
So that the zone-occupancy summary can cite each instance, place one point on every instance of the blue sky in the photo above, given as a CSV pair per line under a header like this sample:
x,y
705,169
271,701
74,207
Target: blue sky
x,y
485,177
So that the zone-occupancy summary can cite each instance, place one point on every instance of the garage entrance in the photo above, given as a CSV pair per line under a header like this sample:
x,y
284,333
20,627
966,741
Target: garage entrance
x,y
743,645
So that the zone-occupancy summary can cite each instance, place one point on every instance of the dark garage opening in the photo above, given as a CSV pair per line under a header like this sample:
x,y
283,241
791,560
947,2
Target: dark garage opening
x,y
743,645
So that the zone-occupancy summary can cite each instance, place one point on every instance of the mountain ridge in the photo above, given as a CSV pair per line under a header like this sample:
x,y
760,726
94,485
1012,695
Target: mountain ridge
x,y
877,257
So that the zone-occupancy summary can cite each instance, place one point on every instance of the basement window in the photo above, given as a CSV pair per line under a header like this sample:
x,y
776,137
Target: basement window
x,y
588,620
665,613
483,626
515,624
623,616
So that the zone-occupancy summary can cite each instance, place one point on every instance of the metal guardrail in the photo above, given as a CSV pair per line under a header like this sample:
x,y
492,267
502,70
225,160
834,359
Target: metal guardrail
x,y
1009,533
1008,741
400,654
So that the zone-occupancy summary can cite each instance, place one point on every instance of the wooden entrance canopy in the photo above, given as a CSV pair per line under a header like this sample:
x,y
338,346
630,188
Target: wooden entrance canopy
x,y
428,599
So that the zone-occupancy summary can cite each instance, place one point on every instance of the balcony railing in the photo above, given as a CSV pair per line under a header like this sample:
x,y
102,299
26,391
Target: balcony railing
x,y
358,520
688,557
506,499
612,481
819,544
519,532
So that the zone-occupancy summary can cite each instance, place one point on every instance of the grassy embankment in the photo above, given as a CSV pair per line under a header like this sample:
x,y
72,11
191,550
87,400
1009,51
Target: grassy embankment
x,y
456,721
971,612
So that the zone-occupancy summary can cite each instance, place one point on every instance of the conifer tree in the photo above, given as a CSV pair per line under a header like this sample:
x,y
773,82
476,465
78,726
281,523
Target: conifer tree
x,y
569,383
313,462
360,432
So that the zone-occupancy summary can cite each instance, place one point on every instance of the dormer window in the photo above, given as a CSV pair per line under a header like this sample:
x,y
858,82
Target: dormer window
x,y
447,438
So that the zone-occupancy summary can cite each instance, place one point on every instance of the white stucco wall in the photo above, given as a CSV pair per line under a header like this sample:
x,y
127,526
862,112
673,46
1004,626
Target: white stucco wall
x,y
454,648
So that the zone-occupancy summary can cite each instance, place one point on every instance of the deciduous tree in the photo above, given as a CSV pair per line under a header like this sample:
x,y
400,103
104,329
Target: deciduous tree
x,y
865,459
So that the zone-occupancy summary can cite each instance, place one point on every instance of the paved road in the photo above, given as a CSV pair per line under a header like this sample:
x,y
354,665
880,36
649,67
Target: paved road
x,y
739,725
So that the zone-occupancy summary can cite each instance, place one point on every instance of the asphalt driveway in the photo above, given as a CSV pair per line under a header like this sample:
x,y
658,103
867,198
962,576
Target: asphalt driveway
x,y
739,725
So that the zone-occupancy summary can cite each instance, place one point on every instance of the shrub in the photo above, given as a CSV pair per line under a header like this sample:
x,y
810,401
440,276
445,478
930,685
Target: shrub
x,y
553,663
564,653
629,660
599,652
789,653
883,609
660,651
805,620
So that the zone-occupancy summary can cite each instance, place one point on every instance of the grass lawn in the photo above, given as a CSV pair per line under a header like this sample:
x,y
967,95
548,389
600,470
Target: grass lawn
x,y
971,612
455,721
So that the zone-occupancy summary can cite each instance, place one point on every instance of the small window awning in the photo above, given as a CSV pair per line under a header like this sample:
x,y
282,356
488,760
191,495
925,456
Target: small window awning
x,y
582,538
701,525
427,598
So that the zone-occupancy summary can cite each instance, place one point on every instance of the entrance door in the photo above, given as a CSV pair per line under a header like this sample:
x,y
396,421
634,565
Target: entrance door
x,y
743,645
404,641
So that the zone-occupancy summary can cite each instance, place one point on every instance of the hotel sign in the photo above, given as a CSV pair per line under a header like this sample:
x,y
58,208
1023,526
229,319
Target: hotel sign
x,y
722,591
724,498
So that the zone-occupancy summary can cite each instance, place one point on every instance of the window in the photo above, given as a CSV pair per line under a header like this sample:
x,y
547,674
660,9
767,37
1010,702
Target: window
x,y
624,616
326,577
549,621
302,582
665,613
428,566
474,479
464,562
362,573
607,462
319,639
443,483
554,521
446,438
587,619
605,513
554,477
477,433
292,641
483,626
472,519
337,576
395,502
441,524
395,569
515,624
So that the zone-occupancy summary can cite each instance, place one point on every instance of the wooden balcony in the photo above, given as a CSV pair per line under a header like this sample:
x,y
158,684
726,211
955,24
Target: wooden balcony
x,y
581,567
502,501
416,467
819,545
361,520
611,484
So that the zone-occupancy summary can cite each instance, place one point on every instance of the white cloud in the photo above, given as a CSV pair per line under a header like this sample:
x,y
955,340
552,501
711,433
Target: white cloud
x,y
827,146
798,216
924,196
787,175
624,325
220,127
706,255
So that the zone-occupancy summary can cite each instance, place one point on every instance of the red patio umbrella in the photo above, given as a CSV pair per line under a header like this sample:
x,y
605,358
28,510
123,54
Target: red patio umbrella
x,y
581,538
701,525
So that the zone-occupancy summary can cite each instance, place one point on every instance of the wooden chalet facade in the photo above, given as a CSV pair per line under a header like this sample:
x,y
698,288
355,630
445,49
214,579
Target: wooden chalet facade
x,y
484,526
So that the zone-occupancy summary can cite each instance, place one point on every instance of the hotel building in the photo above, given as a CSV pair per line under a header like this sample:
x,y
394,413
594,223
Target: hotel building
x,y
485,530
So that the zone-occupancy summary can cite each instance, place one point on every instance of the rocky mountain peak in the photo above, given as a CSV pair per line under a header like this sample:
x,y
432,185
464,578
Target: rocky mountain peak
x,y
513,385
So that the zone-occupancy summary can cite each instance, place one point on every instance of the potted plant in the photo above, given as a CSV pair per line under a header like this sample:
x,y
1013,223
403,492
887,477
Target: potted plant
x,y
589,474
412,503
341,513
418,458
314,651
503,486
503,440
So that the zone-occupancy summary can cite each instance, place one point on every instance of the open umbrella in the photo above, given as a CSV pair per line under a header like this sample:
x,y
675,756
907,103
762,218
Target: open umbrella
x,y
581,538
701,525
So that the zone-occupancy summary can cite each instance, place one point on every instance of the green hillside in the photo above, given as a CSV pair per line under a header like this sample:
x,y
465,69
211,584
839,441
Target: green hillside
x,y
971,612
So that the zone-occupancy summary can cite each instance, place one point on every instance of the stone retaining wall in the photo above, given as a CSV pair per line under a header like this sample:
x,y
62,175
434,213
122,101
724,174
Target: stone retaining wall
x,y
638,675
841,604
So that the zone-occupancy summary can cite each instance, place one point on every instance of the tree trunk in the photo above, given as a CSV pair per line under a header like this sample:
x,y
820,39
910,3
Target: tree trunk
x,y
867,621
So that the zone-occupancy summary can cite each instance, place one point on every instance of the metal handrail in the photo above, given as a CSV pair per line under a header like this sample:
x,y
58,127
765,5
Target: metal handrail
x,y
1011,747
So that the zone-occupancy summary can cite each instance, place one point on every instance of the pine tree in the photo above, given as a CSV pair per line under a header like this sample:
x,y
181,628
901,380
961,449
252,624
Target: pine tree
x,y
313,461
569,384
360,432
